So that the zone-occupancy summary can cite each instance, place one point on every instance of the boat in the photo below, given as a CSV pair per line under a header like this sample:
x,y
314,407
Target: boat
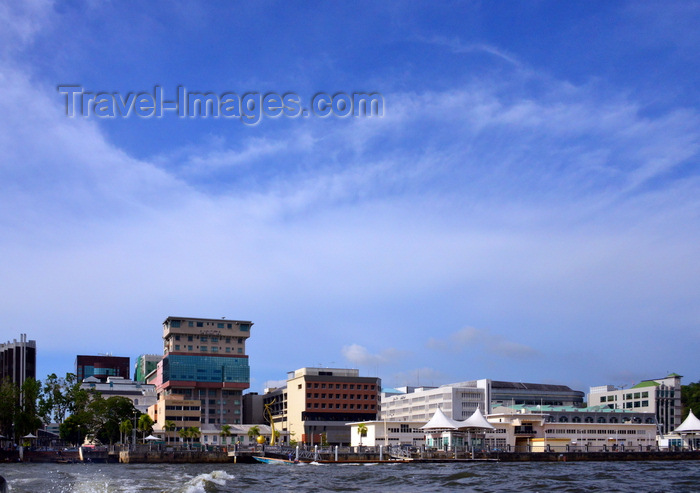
x,y
272,460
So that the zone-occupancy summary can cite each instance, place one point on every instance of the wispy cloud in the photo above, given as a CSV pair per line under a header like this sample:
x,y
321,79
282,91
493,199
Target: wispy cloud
x,y
482,340
360,355
457,46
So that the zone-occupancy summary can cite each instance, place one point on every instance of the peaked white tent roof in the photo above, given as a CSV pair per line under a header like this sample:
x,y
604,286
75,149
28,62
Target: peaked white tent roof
x,y
476,420
440,421
690,425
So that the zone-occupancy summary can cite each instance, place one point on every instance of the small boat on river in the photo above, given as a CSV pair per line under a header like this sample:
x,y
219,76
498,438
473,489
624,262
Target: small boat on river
x,y
272,460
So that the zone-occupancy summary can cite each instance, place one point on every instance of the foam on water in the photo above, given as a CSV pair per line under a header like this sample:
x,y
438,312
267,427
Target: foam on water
x,y
199,483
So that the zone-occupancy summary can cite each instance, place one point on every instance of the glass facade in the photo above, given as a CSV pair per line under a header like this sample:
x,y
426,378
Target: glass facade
x,y
196,368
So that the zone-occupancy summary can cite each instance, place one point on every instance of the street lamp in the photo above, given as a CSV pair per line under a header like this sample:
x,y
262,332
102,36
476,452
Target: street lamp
x,y
133,432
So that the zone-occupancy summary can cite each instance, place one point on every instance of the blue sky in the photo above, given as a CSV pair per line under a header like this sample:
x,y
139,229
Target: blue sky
x,y
527,207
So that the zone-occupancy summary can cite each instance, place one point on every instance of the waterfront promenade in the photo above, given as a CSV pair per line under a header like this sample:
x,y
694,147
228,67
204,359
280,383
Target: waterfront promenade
x,y
155,455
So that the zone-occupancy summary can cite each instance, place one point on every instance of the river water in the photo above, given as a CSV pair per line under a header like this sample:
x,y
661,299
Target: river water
x,y
637,477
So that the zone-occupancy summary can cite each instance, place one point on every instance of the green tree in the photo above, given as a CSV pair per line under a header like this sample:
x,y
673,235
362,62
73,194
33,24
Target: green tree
x,y
690,399
169,426
73,430
225,433
253,433
145,425
184,433
26,416
59,397
8,407
194,433
114,411
362,431
125,428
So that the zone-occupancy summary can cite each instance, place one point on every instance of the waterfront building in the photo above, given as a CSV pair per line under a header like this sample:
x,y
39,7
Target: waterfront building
x,y
145,364
459,400
660,396
101,366
317,403
387,433
183,413
18,360
565,428
204,359
525,428
142,395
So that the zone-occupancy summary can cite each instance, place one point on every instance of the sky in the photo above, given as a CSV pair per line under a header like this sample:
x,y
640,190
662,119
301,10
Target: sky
x,y
525,208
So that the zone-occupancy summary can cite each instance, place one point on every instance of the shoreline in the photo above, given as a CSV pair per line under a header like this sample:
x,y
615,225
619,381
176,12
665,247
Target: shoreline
x,y
203,457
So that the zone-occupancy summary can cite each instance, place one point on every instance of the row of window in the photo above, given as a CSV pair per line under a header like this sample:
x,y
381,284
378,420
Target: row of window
x,y
554,431
600,419
316,385
629,396
323,405
176,324
205,349
204,393
182,408
345,396
191,338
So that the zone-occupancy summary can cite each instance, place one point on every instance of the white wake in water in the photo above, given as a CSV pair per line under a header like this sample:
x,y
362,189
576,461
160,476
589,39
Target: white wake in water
x,y
199,483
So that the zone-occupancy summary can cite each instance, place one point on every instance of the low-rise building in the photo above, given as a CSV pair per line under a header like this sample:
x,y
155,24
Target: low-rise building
x,y
316,404
142,395
459,400
661,397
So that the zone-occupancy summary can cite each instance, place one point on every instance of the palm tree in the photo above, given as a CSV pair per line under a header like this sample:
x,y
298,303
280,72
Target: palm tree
x,y
184,433
362,431
145,424
125,428
169,426
194,432
225,432
253,433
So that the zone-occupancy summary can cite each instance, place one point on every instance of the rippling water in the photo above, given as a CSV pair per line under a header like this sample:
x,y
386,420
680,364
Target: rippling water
x,y
637,477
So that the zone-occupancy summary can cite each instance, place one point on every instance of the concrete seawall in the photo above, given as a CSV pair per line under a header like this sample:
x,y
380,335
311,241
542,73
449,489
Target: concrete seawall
x,y
173,457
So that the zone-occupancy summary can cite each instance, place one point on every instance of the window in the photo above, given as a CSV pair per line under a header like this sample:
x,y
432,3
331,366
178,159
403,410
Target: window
x,y
177,347
175,324
244,327
203,338
200,324
220,325
190,324
177,337
190,338
203,348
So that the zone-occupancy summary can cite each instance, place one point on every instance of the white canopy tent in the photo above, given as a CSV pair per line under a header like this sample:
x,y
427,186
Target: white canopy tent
x,y
689,430
443,431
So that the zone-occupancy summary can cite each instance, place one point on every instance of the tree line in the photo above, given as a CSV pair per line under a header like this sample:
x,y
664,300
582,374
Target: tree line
x,y
79,412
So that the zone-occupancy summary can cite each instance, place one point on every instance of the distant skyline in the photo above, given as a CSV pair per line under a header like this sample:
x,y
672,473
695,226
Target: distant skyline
x,y
527,207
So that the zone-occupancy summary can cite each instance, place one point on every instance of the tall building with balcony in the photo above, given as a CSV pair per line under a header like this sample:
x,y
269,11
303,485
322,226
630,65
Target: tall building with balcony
x,y
18,360
204,360
661,396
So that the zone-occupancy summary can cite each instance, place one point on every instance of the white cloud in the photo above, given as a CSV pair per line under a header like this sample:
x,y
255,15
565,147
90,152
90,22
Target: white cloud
x,y
360,355
482,340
